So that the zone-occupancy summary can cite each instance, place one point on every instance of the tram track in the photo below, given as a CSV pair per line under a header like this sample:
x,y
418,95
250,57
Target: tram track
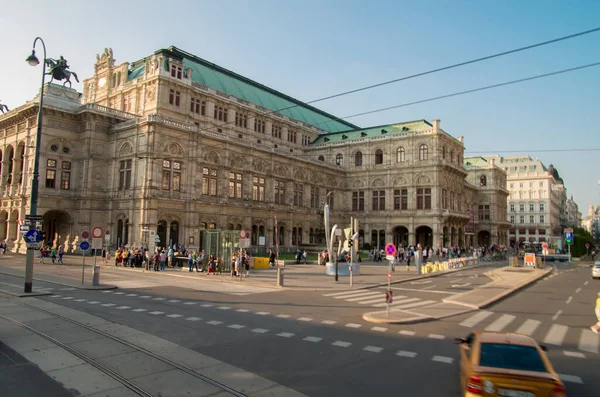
x,y
129,384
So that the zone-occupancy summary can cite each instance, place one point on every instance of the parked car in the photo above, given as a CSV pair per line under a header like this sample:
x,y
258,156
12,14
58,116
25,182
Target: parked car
x,y
596,270
506,364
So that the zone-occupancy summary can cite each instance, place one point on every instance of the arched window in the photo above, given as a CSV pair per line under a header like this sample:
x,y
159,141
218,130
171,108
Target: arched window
x,y
443,152
400,155
339,159
422,152
358,159
321,158
482,180
378,156
452,156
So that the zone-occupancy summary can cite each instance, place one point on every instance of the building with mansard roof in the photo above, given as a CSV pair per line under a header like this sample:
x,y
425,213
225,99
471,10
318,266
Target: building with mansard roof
x,y
171,149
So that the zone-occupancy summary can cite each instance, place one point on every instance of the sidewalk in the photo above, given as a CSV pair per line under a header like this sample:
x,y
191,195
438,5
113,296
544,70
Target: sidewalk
x,y
507,280
296,277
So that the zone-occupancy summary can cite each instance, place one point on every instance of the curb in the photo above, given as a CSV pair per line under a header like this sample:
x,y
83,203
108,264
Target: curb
x,y
416,318
24,294
81,287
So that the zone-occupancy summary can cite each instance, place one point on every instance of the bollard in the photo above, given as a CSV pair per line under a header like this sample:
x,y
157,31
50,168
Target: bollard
x,y
96,277
279,276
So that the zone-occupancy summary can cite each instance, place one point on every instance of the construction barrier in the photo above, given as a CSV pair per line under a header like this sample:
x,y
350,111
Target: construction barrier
x,y
455,263
261,263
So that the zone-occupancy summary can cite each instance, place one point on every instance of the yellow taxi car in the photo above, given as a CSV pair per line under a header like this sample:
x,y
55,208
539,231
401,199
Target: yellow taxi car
x,y
507,365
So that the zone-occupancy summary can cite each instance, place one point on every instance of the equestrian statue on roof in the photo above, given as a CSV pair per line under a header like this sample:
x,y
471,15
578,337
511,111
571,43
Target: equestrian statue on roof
x,y
59,70
3,108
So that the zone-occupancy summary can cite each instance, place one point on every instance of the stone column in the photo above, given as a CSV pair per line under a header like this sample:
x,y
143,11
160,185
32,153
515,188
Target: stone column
x,y
411,238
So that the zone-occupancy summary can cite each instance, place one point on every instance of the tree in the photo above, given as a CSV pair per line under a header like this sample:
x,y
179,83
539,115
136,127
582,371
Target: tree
x,y
581,237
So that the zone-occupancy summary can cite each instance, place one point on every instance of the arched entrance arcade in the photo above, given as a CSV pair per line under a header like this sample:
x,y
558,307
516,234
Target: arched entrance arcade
x,y
400,236
57,226
424,236
483,238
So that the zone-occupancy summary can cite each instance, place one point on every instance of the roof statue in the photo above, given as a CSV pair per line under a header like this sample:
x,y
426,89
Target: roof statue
x,y
3,108
59,70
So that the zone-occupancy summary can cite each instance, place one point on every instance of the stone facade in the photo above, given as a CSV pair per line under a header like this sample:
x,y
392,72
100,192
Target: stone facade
x,y
148,153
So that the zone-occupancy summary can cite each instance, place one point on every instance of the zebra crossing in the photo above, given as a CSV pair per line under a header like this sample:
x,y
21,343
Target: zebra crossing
x,y
376,298
555,334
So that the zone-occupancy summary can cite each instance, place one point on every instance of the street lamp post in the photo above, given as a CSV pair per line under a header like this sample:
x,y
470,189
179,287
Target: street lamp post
x,y
33,61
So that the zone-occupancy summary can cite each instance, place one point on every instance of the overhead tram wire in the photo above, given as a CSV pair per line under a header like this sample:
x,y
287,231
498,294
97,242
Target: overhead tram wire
x,y
453,66
533,151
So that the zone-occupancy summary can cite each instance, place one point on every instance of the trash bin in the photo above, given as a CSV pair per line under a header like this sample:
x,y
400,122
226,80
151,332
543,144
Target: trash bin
x,y
280,276
96,277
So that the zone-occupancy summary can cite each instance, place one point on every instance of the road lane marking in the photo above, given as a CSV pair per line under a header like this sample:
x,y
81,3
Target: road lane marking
x,y
306,319
156,313
145,296
262,313
404,353
193,303
416,304
340,343
443,359
312,339
79,300
379,329
373,349
236,326
242,310
173,300
352,325
577,290
346,292
260,330
569,300
214,322
558,313
398,302
93,302
571,378
107,291
283,316
421,282
328,322
500,322
67,297
408,333
379,299
588,341
159,299
107,304
573,354
436,336
123,307
131,295
139,310
362,296
476,319
174,315
119,293
224,308
460,285
355,294
556,334
431,286
586,283
286,334
428,291
528,327
194,318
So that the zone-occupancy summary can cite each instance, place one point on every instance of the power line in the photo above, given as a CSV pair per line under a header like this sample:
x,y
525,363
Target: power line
x,y
470,91
535,150
456,65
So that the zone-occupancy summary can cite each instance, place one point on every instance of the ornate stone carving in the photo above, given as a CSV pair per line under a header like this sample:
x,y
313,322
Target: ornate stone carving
x,y
126,149
378,183
212,157
423,180
237,162
400,181
260,166
281,171
299,175
174,148
358,183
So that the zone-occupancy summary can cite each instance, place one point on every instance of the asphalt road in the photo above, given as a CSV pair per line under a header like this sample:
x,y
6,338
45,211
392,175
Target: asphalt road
x,y
320,345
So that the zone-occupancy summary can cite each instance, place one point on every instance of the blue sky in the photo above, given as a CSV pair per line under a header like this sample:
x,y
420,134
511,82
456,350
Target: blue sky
x,y
312,49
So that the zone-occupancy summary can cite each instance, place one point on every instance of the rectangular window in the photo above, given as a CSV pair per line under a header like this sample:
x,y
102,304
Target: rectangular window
x,y
397,199
198,106
459,202
444,199
452,201
276,131
424,198
522,219
298,194
542,219
512,208
258,188
174,97
512,219
65,179
241,120
531,207
279,192
305,140
235,185
379,200
176,71
542,207
220,113
259,125
171,176
51,173
314,197
125,175
166,180
484,212
358,201
531,219
209,181
292,134
404,199
521,207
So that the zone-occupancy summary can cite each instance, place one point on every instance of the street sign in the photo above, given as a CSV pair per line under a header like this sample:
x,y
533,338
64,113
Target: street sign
x,y
242,233
97,243
33,236
545,246
569,236
390,257
587,245
34,217
389,297
390,249
85,234
247,235
84,245
97,232
244,243
530,260
35,245
107,232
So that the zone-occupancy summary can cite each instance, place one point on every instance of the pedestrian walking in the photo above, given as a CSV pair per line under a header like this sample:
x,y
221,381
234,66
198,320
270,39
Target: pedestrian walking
x,y
304,256
271,258
596,327
53,254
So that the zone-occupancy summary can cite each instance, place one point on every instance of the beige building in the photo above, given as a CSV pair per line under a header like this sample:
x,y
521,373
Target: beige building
x,y
169,148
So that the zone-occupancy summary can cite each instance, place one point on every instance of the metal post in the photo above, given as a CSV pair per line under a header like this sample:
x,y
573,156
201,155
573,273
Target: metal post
x,y
83,267
36,165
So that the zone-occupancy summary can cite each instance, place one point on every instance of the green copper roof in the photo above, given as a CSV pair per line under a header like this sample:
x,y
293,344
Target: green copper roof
x,y
475,162
220,79
398,128
136,72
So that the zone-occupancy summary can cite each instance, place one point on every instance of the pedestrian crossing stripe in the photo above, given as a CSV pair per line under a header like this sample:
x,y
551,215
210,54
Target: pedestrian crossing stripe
x,y
376,298
554,335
